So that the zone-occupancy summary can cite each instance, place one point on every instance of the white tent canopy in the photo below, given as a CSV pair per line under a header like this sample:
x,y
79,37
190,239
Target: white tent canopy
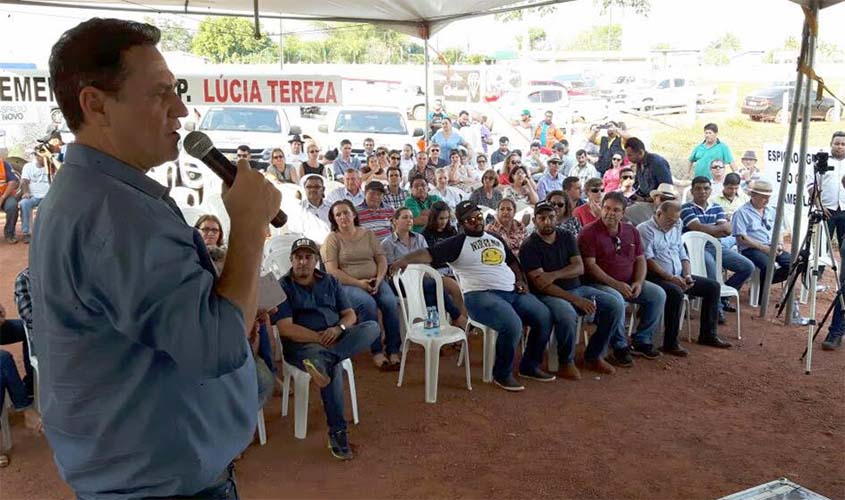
x,y
420,18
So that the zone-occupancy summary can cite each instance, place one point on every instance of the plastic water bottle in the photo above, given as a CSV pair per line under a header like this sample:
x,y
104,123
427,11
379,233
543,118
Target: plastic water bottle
x,y
433,321
590,318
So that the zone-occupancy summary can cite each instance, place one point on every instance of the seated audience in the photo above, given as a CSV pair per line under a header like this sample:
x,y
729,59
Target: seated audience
x,y
373,170
641,211
278,171
8,197
354,256
507,227
487,195
612,177
521,188
35,183
669,268
450,194
351,189
590,211
626,183
395,195
374,214
563,212
495,293
552,263
552,179
345,160
730,197
583,169
311,165
513,160
613,258
572,188
423,169
319,329
420,201
717,174
459,175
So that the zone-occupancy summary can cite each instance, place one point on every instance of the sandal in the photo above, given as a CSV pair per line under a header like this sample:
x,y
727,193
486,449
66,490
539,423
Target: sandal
x,y
4,461
395,363
380,361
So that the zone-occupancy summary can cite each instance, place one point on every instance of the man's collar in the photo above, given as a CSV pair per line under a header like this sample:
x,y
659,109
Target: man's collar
x,y
79,154
318,275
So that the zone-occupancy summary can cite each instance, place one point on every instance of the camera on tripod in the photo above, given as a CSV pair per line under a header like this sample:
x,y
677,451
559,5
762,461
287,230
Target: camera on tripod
x,y
820,162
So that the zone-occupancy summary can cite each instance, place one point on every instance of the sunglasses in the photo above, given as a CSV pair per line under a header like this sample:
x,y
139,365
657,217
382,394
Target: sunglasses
x,y
313,150
381,153
435,150
618,243
596,190
278,157
559,204
395,158
717,167
627,177
210,230
516,163
617,159
475,218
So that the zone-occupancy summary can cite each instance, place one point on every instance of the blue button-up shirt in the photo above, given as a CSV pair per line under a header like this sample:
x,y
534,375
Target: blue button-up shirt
x,y
147,384
316,307
547,184
665,247
747,221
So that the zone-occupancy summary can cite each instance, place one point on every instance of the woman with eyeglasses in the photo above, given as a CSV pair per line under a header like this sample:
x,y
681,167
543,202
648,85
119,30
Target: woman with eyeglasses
x,y
626,182
563,212
506,226
590,211
448,139
382,156
312,165
611,175
522,188
355,257
512,160
279,171
487,195
373,171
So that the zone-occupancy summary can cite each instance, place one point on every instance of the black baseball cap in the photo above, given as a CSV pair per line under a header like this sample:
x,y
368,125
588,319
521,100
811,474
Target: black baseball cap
x,y
304,243
464,208
543,206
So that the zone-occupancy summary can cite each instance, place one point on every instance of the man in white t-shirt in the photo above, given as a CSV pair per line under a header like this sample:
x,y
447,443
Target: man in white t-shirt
x,y
495,292
35,182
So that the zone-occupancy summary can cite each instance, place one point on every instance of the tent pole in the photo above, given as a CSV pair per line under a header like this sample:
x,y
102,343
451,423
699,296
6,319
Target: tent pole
x,y
793,122
427,69
802,165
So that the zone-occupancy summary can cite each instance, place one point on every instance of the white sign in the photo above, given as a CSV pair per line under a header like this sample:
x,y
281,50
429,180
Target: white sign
x,y
18,87
773,158
18,114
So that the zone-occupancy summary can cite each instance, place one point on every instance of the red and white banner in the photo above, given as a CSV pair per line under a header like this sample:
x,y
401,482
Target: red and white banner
x,y
202,90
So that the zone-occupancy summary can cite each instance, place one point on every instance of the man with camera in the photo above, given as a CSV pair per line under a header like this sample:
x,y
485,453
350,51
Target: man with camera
x,y
613,142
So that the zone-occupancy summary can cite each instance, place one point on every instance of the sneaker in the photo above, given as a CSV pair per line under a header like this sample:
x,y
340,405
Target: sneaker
x,y
509,384
727,307
26,238
621,357
339,445
832,343
11,239
645,350
537,374
319,378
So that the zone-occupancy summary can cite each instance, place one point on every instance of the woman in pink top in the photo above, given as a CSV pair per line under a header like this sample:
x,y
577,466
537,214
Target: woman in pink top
x,y
590,211
611,176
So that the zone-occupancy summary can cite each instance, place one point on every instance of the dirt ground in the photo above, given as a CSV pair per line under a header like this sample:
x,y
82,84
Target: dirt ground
x,y
706,426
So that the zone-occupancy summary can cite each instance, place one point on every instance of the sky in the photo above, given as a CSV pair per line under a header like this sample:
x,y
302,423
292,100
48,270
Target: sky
x,y
684,24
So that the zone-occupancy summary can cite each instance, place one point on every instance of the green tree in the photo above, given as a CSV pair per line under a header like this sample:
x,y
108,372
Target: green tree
x,y
641,7
521,14
536,38
452,55
174,36
231,40
719,51
608,37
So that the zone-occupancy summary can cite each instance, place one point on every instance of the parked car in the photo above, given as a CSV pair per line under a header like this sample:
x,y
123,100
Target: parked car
x,y
385,125
667,92
767,104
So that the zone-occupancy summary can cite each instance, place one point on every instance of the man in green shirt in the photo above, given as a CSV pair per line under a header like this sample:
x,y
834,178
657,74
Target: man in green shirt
x,y
420,201
710,149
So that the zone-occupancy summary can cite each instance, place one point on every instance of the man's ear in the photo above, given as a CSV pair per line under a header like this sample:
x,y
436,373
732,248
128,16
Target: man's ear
x,y
92,101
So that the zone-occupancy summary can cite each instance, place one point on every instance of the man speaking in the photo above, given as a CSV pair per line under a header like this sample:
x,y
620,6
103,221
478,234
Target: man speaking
x,y
147,385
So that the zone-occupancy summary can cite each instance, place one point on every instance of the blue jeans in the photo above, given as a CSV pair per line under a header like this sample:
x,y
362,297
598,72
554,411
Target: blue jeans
x,y
27,205
367,307
733,261
328,359
609,313
430,293
265,351
761,260
651,302
10,206
10,380
506,312
837,323
11,332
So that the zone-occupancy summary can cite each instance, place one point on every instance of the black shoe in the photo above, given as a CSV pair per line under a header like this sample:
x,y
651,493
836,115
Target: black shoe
x,y
509,384
26,238
11,239
715,342
645,350
727,307
537,374
721,318
832,343
339,444
620,357
676,350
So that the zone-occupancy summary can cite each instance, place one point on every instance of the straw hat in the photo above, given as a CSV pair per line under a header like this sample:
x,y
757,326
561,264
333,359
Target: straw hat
x,y
664,190
760,187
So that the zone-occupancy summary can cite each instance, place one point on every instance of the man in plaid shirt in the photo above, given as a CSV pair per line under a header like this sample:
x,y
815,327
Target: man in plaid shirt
x,y
395,196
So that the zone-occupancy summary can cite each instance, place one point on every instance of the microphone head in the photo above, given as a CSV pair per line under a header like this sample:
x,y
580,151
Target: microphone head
x,y
197,144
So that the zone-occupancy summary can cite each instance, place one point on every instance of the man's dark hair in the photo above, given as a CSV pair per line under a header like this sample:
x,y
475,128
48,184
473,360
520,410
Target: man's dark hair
x,y
243,147
580,152
437,208
712,127
345,142
91,54
838,133
463,112
733,179
626,170
391,169
569,181
635,143
561,144
615,196
701,179
370,139
415,178
504,140
333,222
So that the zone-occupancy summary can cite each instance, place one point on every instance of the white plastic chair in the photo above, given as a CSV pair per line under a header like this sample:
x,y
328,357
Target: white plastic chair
x,y
5,430
164,174
754,288
277,263
301,382
280,243
684,311
261,426
33,360
553,362
184,197
696,243
191,214
413,308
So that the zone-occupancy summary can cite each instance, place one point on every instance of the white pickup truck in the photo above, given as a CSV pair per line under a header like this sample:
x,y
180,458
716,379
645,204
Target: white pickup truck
x,y
385,125
668,92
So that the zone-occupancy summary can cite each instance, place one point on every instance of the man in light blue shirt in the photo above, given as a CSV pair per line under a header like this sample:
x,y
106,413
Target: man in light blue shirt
x,y
351,189
669,268
552,180
345,160
147,386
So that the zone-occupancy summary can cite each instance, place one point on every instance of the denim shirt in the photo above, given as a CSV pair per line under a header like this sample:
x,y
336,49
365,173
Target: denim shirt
x,y
147,384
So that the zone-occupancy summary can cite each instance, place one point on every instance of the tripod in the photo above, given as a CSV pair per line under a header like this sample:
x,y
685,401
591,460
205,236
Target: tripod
x,y
808,260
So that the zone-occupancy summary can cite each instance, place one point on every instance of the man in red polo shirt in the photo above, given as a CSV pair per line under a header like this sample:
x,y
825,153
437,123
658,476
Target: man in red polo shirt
x,y
614,261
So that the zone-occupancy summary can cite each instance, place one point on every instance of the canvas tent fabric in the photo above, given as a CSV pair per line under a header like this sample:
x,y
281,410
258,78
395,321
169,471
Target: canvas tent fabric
x,y
420,18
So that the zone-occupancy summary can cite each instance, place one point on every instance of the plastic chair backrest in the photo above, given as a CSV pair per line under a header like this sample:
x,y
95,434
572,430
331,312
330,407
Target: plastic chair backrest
x,y
191,214
184,197
280,243
213,204
696,243
411,280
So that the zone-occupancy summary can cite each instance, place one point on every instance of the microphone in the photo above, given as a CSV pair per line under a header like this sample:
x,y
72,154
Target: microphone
x,y
198,145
